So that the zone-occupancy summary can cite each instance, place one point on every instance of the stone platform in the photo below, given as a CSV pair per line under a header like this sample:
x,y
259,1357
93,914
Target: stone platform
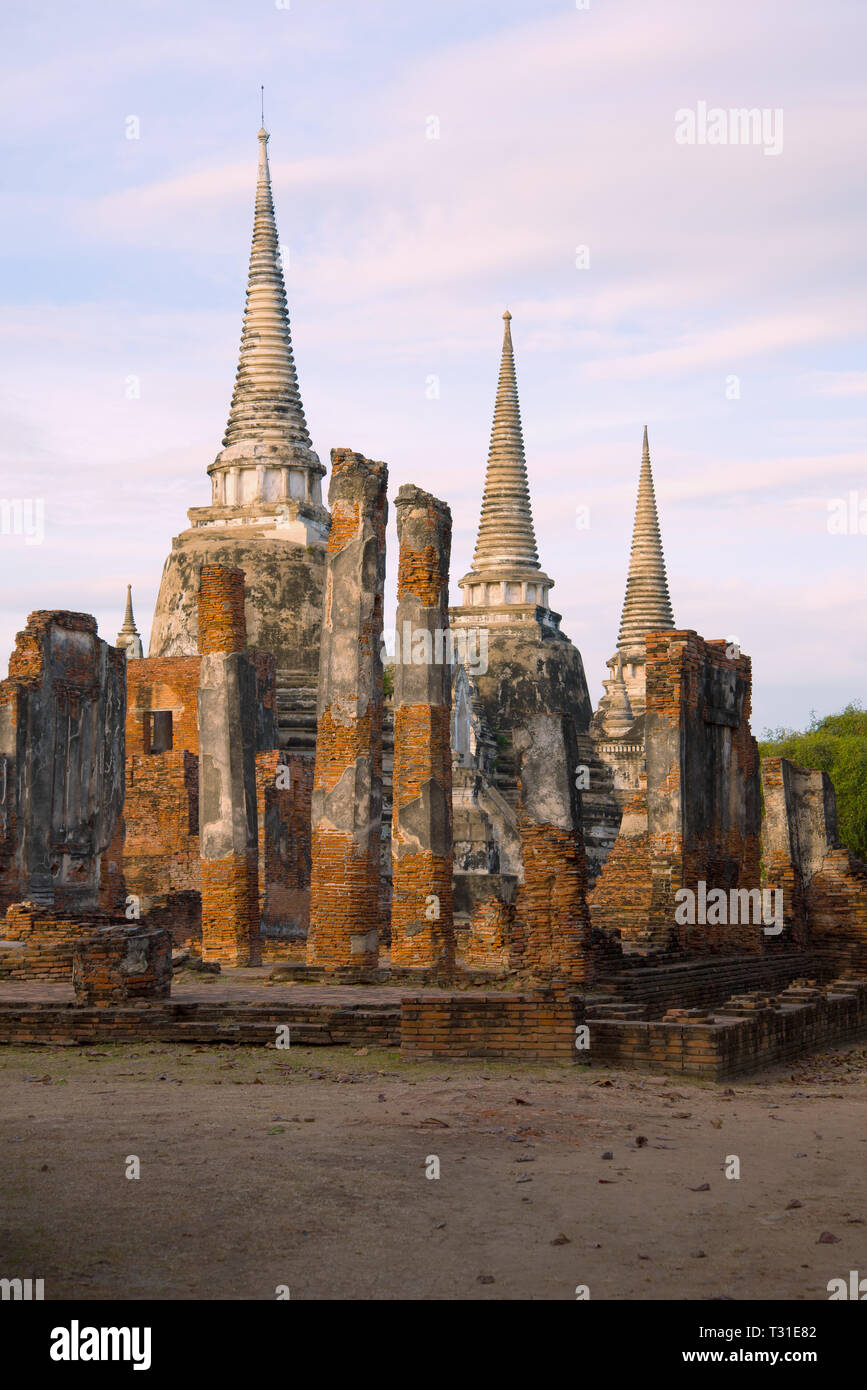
x,y
752,1030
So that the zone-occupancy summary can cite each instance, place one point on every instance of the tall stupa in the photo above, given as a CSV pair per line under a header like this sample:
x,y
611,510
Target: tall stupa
x,y
266,513
646,608
531,664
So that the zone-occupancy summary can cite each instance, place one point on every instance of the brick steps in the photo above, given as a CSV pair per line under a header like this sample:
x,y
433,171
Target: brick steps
x,y
702,981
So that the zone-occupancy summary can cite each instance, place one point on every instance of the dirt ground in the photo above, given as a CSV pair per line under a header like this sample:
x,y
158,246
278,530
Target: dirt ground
x,y
307,1168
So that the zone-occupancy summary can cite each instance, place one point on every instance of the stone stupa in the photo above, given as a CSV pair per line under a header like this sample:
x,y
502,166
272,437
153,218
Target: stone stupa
x,y
266,513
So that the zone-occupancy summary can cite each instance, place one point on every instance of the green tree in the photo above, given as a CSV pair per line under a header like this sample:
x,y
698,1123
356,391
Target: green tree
x,y
837,745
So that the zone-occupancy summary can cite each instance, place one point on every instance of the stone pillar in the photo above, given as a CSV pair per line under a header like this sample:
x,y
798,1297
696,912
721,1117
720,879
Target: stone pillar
x,y
553,920
228,821
422,923
346,809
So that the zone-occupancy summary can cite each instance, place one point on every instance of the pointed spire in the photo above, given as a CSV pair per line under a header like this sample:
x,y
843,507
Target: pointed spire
x,y
266,404
647,605
128,619
506,536
505,568
129,638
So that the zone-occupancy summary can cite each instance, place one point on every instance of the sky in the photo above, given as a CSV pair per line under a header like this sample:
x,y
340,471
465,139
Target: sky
x,y
433,165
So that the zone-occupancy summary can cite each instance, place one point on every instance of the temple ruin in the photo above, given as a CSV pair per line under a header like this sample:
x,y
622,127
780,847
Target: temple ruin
x,y
256,798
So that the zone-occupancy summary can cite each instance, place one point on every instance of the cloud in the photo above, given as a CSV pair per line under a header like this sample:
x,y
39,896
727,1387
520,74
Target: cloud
x,y
837,383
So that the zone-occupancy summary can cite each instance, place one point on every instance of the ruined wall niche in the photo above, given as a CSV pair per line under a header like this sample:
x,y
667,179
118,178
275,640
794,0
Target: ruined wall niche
x,y
825,885
62,712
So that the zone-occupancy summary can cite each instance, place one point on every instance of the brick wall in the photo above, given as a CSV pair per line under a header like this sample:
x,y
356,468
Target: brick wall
x,y
520,1027
169,684
161,813
489,937
621,895
552,938
836,902
120,964
43,942
374,1025
740,1037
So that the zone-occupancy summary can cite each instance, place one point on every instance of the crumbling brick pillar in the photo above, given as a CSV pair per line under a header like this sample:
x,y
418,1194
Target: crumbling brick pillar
x,y
422,909
552,938
228,820
346,810
703,790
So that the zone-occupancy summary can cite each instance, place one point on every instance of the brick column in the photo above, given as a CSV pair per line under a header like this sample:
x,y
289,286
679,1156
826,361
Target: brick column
x,y
703,788
228,823
346,807
422,923
553,920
